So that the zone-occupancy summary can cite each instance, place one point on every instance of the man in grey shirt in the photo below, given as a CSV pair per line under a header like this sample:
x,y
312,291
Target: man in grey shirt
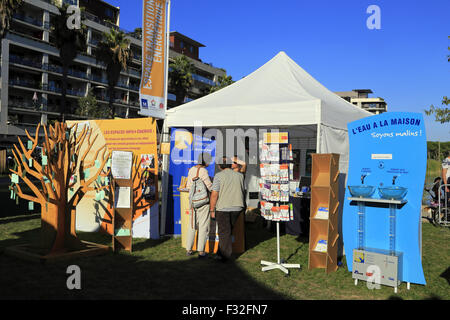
x,y
226,204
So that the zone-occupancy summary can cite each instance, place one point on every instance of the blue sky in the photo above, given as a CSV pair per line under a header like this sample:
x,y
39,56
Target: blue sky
x,y
405,62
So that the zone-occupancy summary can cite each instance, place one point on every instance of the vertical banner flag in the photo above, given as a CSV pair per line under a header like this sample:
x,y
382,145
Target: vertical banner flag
x,y
152,91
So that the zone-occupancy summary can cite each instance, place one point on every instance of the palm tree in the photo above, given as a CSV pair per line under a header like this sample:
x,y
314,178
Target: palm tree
x,y
69,42
180,75
114,51
7,10
223,82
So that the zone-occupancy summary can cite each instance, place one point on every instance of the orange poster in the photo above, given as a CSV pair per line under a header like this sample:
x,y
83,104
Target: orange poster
x,y
154,59
136,135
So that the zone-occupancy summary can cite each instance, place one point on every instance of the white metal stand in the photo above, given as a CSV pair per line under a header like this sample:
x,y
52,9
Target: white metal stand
x,y
278,265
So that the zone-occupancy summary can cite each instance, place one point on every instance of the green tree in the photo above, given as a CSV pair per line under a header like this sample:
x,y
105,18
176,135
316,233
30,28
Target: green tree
x,y
7,10
88,106
69,42
224,81
137,33
441,114
180,75
114,51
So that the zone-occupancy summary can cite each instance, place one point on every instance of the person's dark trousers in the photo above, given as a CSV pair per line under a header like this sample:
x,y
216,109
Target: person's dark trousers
x,y
225,223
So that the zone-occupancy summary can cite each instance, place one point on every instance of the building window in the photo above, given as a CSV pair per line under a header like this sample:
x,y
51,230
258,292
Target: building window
x,y
181,44
191,49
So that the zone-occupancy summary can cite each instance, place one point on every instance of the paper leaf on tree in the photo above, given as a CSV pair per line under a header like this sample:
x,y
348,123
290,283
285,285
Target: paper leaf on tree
x,y
14,178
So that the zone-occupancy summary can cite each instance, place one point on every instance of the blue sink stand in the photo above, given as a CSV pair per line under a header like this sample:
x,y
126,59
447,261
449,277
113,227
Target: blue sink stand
x,y
392,217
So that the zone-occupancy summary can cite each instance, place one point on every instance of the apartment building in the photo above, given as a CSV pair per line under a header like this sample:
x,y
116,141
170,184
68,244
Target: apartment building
x,y
360,98
31,73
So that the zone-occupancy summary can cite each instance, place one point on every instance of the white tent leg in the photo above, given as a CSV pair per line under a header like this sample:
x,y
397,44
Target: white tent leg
x,y
164,180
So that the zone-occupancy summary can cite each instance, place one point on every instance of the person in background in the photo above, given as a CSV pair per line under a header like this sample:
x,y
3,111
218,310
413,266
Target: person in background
x,y
446,173
226,204
199,219
238,165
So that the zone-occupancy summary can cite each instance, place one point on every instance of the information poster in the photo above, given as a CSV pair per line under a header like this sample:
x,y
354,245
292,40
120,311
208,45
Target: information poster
x,y
185,147
136,136
388,151
121,163
123,197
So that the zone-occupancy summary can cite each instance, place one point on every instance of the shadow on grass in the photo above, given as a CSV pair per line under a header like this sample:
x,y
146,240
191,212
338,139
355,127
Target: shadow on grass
x,y
19,218
129,276
446,275
149,243
24,237
142,274
9,206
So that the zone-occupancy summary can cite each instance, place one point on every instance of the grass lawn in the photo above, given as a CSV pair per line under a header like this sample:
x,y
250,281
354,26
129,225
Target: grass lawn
x,y
160,270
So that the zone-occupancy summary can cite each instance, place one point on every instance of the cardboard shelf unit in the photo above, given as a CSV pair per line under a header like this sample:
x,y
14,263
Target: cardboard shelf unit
x,y
123,220
324,210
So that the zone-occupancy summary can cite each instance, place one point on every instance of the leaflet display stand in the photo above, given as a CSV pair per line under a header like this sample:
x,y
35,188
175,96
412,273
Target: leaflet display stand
x,y
123,215
276,172
324,207
122,199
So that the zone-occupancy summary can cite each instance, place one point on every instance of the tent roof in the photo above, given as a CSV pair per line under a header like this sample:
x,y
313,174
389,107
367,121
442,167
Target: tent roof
x,y
279,93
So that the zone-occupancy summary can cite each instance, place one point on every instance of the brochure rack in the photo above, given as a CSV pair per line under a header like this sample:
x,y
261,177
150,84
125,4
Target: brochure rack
x,y
276,172
122,218
122,192
324,208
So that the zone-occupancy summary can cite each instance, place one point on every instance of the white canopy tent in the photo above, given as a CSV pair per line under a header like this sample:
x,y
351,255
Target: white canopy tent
x,y
280,94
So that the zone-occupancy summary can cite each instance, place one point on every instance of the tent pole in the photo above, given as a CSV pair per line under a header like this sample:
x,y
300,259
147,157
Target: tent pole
x,y
165,135
164,180
319,120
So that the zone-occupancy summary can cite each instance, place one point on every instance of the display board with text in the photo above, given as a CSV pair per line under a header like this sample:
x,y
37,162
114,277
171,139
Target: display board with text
x,y
382,209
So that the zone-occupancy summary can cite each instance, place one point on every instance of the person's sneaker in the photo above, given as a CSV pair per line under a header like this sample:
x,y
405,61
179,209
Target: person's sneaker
x,y
202,256
189,253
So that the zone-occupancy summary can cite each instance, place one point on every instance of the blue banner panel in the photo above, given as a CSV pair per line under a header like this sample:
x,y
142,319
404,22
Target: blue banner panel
x,y
387,152
185,148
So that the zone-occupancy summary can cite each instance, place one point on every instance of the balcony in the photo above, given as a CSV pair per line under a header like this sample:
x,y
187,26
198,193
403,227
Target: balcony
x,y
16,103
52,87
28,19
203,79
99,79
134,72
134,87
27,83
78,74
136,56
94,42
26,61
94,18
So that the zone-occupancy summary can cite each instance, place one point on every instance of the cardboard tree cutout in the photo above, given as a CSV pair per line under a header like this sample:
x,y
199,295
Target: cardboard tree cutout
x,y
61,162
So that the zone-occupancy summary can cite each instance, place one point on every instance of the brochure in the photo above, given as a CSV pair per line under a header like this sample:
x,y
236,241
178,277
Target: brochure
x,y
321,246
322,213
